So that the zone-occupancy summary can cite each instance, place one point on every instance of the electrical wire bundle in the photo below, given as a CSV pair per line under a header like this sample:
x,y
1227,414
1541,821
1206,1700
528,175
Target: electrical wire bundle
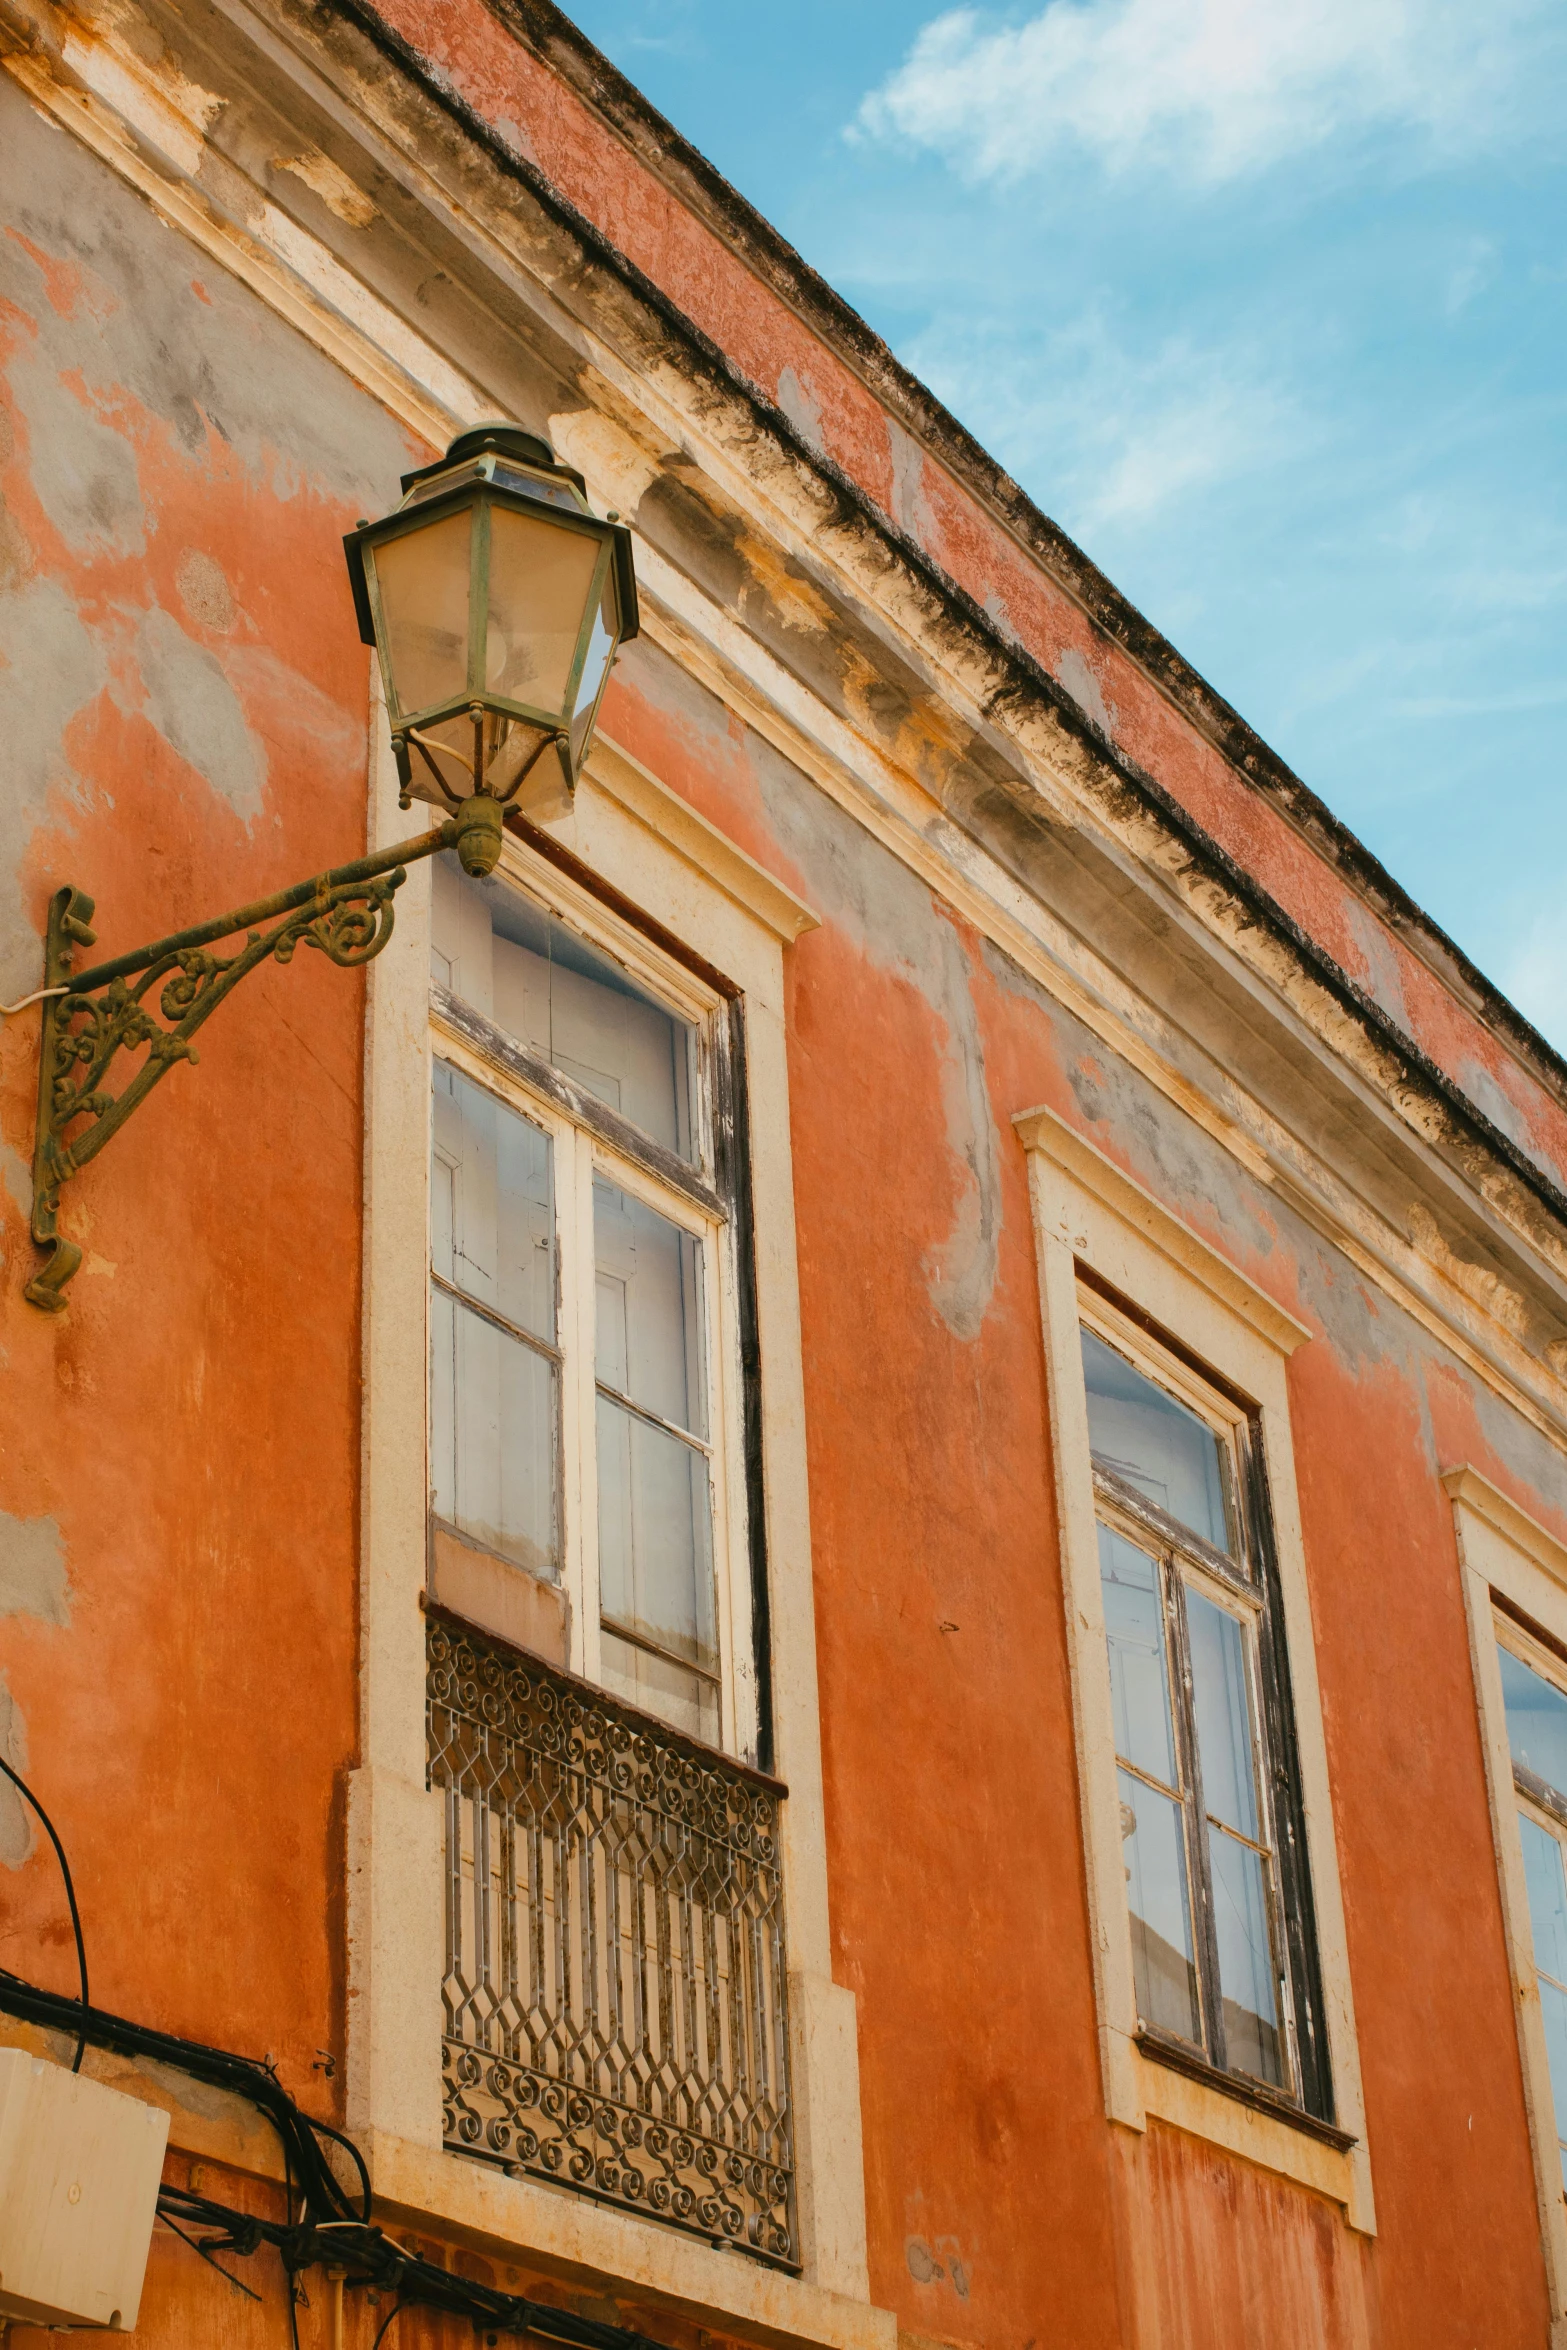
x,y
334,2227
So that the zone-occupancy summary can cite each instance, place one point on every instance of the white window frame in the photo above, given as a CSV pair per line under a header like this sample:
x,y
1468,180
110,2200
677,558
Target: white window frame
x,y
581,1151
1504,1553
1089,1214
646,844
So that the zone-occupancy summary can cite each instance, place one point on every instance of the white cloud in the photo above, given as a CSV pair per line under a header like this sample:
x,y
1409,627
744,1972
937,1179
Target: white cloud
x,y
1108,436
1210,89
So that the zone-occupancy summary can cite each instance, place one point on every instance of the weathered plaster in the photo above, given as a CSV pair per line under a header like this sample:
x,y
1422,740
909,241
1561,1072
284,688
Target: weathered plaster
x,y
33,1579
894,922
195,709
17,1834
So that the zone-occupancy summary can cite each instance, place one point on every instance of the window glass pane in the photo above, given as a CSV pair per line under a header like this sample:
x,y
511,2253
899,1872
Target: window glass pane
x,y
562,999
655,1504
655,1535
493,1437
649,1339
1224,1747
1154,1845
1553,2007
1542,1861
494,1399
1139,1679
492,1208
1536,1721
1246,1977
1155,1443
660,1686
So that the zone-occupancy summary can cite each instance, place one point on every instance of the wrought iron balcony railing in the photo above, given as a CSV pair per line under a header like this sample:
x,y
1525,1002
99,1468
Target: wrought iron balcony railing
x,y
615,1965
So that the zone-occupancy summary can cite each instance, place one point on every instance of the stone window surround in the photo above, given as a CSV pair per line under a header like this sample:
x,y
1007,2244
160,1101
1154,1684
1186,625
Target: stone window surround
x,y
652,848
1505,1554
1088,1213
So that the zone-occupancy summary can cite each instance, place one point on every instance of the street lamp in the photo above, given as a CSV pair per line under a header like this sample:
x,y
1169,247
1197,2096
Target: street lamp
x,y
495,600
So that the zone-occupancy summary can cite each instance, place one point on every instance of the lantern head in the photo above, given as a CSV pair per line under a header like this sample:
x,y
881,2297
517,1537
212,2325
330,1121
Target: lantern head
x,y
495,600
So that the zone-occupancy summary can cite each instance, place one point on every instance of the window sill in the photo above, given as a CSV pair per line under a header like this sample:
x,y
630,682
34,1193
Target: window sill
x,y
1253,2094
588,2244
1191,2096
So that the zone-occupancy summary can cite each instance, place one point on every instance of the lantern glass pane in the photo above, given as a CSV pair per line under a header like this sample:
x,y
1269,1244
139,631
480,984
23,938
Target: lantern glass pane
x,y
423,578
601,643
540,579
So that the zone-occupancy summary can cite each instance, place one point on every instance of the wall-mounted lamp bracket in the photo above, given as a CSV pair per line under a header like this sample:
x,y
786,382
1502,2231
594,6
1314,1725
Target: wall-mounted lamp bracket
x,y
158,996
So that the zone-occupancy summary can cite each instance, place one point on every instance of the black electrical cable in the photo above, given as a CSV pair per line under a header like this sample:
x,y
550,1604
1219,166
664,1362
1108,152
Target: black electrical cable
x,y
301,2134
70,1894
333,2225
381,2330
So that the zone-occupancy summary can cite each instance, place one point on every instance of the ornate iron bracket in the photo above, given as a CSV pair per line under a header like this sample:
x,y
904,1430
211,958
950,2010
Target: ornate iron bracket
x,y
158,996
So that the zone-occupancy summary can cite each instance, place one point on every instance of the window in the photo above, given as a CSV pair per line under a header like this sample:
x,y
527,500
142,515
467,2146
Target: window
x,y
1536,1715
1195,1674
1222,1993
583,1361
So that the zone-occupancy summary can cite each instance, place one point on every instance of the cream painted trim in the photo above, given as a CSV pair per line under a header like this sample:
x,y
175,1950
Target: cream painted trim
x,y
132,113
1090,1168
1501,1549
582,2242
1088,1213
704,890
701,844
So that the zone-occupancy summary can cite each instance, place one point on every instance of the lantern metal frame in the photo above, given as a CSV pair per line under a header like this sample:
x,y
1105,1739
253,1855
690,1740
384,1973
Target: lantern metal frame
x,y
157,996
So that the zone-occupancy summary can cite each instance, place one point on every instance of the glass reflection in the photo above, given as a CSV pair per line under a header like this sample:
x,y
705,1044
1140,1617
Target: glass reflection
x,y
1154,1844
1536,1721
1155,1443
564,1001
1542,1862
494,1399
1139,1677
655,1505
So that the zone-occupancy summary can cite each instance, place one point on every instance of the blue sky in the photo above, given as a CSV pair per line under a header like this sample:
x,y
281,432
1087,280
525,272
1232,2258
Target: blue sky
x,y
1265,301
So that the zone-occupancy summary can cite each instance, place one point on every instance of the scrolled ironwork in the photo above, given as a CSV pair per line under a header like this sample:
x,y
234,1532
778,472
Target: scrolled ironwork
x,y
153,1000
615,1991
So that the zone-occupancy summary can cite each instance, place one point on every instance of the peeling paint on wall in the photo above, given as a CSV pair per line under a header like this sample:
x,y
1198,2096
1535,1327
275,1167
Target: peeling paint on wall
x,y
801,405
195,709
891,917
33,1580
16,1821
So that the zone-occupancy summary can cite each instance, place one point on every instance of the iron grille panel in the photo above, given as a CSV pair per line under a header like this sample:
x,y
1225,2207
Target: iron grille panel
x,y
615,1992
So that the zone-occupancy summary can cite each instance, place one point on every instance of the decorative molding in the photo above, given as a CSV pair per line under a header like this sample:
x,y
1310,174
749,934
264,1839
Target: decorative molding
x,y
1045,1131
1475,1492
701,844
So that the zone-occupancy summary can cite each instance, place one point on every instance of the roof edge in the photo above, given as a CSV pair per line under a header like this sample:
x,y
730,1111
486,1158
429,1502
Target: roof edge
x,y
560,44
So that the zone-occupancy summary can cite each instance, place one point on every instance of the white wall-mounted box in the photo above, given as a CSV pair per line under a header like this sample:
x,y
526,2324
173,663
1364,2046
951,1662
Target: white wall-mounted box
x,y
79,2171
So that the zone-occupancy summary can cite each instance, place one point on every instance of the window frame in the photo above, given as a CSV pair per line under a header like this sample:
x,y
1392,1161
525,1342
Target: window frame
x,y
1097,1229
1244,1585
1513,1573
702,1196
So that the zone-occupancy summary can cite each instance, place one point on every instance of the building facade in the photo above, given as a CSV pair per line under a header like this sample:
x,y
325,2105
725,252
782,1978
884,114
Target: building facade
x,y
820,1556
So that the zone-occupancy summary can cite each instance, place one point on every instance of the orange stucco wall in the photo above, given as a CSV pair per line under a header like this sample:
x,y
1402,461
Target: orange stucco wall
x,y
184,706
